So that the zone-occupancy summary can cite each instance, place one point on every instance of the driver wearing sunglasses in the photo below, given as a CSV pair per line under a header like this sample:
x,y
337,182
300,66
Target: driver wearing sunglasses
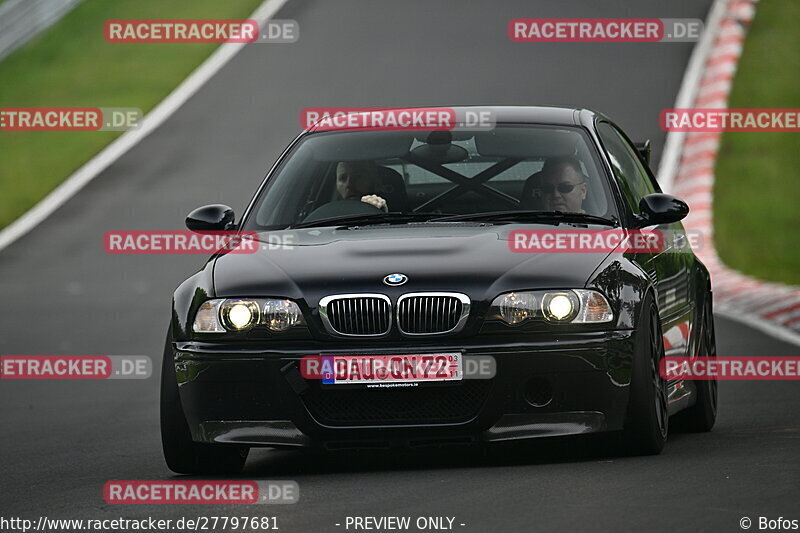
x,y
563,186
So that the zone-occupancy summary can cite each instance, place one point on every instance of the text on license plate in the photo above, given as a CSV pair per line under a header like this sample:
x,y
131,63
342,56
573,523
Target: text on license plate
x,y
406,368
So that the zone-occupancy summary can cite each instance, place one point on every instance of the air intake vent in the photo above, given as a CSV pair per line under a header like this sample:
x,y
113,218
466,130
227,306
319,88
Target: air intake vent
x,y
417,405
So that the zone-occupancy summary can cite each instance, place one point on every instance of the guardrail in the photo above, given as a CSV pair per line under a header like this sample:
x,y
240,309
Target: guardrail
x,y
22,20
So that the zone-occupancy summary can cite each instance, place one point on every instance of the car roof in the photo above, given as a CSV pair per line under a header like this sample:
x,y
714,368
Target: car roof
x,y
562,116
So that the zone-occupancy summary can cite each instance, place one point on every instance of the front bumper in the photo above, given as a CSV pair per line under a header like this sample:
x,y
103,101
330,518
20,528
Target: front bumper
x,y
254,395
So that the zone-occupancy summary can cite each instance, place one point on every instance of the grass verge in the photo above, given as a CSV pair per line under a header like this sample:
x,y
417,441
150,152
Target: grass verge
x,y
71,64
757,187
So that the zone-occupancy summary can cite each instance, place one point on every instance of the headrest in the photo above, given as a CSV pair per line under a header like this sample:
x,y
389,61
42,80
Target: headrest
x,y
438,148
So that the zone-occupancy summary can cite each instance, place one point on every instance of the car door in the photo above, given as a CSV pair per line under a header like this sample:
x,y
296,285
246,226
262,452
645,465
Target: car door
x,y
669,268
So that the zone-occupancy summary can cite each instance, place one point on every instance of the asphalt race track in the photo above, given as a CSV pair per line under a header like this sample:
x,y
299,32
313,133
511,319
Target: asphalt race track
x,y
62,294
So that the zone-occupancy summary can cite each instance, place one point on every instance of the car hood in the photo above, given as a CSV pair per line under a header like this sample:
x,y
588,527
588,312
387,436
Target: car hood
x,y
471,258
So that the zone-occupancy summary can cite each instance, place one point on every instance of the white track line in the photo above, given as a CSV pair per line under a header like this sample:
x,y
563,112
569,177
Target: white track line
x,y
673,146
687,167
130,138
764,326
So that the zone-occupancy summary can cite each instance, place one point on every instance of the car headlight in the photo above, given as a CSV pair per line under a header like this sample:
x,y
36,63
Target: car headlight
x,y
207,318
576,306
516,307
560,306
240,314
280,315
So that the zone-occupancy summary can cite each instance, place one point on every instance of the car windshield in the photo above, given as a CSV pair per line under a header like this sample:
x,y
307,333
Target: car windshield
x,y
334,178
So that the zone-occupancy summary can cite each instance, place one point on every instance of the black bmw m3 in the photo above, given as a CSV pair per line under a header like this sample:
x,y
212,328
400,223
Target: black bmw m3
x,y
398,264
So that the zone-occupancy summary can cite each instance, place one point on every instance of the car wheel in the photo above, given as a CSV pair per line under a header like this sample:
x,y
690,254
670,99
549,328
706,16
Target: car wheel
x,y
182,454
703,414
647,422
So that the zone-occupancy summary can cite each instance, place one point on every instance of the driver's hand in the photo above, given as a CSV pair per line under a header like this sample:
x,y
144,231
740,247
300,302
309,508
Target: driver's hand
x,y
377,201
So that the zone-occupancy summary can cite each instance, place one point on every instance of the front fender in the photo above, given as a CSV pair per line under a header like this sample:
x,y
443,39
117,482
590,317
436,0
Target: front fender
x,y
187,299
625,285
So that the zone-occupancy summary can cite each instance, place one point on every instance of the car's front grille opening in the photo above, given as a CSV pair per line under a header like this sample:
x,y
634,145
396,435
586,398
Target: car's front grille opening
x,y
344,445
426,314
359,315
407,405
441,442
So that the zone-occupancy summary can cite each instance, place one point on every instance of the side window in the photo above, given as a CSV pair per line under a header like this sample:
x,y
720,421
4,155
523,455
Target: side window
x,y
631,175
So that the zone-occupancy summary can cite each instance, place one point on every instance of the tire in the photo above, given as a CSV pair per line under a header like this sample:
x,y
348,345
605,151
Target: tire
x,y
182,454
647,422
702,415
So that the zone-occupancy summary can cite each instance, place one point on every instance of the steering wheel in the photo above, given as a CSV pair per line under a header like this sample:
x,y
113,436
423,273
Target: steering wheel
x,y
340,208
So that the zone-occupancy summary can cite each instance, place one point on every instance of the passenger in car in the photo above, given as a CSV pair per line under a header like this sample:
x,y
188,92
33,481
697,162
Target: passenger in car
x,y
358,180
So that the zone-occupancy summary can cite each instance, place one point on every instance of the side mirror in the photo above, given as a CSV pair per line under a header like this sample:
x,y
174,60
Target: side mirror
x,y
216,217
644,150
659,208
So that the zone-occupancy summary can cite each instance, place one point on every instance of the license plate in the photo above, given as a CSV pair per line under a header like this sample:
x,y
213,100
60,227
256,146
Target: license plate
x,y
387,369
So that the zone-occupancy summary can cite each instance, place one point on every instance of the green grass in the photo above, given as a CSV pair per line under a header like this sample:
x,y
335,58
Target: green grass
x,y
757,189
71,64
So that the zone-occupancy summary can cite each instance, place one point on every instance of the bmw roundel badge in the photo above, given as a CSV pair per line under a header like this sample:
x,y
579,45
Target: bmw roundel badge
x,y
393,280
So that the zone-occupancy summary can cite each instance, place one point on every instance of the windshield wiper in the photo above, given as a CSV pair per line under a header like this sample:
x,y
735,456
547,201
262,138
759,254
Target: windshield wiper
x,y
533,216
377,218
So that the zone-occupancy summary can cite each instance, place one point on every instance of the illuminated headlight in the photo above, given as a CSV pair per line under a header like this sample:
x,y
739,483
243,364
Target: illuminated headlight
x,y
241,314
560,306
577,306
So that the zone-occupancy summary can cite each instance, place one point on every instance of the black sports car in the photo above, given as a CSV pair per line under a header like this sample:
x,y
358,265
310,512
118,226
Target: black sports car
x,y
378,245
